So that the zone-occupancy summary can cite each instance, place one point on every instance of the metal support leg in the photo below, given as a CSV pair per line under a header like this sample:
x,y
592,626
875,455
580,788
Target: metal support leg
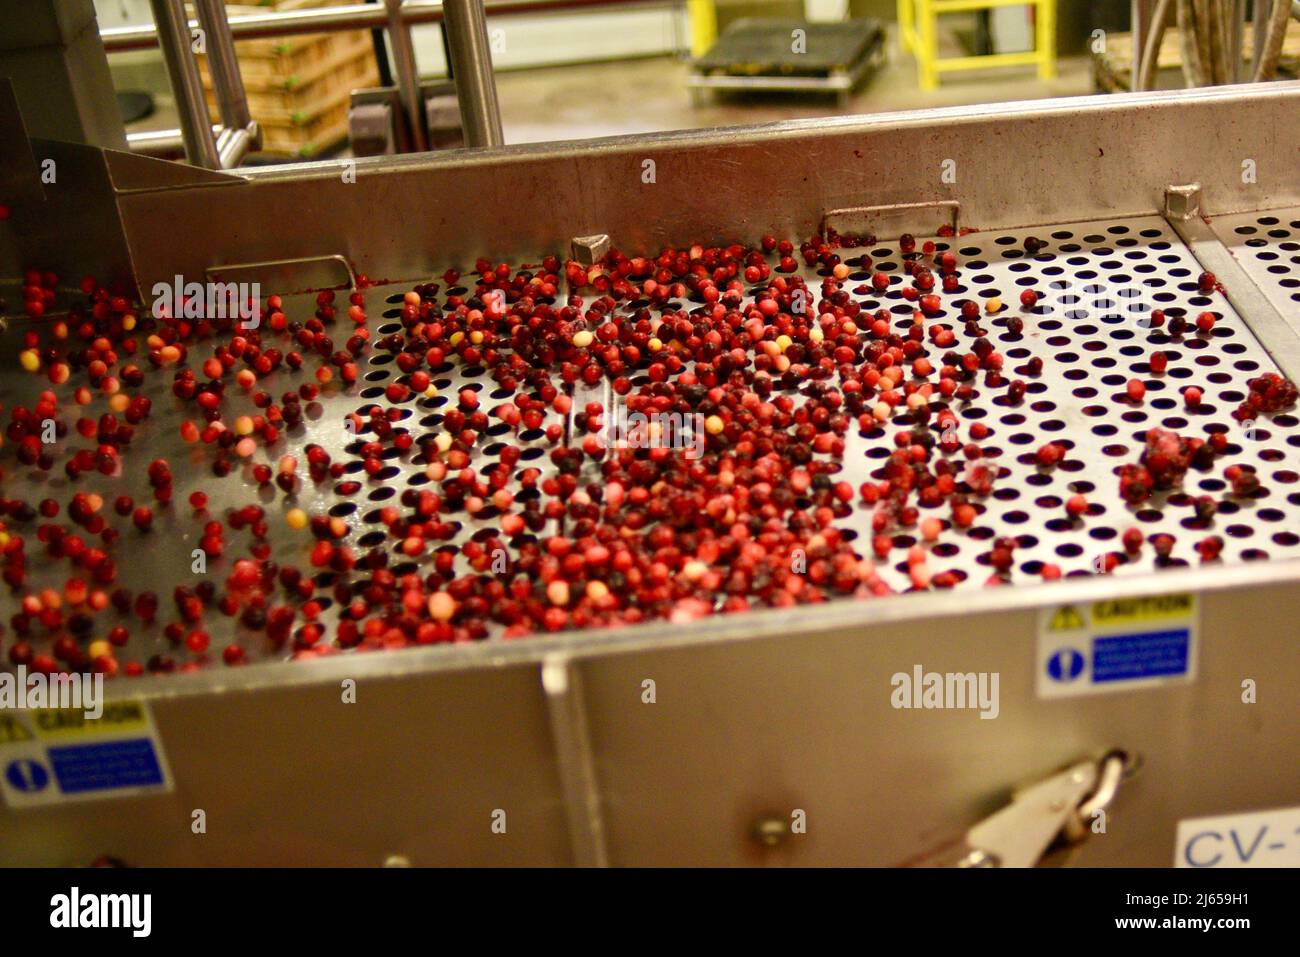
x,y
227,82
471,69
1236,50
704,25
408,77
1045,42
927,46
906,25
183,70
1140,22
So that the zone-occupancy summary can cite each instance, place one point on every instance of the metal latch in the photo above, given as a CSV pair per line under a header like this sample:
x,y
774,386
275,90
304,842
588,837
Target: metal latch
x,y
1058,809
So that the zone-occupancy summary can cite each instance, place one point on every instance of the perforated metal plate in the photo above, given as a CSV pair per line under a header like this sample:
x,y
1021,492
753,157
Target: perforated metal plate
x,y
163,557
1097,282
1267,244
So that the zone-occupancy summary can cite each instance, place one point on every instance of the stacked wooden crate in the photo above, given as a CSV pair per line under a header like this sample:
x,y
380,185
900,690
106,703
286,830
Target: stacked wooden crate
x,y
299,87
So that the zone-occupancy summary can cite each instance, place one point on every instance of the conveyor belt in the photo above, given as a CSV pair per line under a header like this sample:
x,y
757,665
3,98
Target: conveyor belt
x,y
1097,282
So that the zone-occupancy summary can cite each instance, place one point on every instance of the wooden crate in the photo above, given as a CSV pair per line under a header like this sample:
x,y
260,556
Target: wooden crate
x,y
298,88
277,62
300,95
311,137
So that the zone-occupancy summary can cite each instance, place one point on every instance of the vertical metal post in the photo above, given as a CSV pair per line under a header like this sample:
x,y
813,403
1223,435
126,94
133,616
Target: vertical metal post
x,y
1140,25
471,70
408,77
1237,33
562,682
196,125
1263,10
227,82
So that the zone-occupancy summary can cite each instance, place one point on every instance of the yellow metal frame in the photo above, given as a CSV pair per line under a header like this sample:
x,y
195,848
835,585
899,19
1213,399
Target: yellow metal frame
x,y
703,17
917,35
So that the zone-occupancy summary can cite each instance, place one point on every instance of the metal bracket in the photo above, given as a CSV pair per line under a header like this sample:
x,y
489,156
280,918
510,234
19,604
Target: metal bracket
x,y
442,114
374,127
590,250
377,119
1182,202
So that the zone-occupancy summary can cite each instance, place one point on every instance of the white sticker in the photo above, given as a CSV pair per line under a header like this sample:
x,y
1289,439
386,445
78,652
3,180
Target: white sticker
x,y
57,755
1259,839
1116,645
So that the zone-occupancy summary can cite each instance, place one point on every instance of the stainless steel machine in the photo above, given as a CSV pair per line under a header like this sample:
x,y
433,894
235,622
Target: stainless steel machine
x,y
773,736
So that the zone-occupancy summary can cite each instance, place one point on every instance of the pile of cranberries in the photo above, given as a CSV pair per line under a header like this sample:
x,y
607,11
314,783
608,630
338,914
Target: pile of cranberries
x,y
777,372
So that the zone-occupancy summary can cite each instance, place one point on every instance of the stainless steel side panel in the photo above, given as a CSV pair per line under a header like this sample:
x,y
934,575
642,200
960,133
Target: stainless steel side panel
x,y
754,715
1053,161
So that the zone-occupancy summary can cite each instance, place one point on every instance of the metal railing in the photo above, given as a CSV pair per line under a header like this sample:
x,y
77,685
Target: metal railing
x,y
223,146
356,16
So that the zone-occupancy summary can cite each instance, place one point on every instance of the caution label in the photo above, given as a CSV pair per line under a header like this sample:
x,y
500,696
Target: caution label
x,y
1116,645
55,755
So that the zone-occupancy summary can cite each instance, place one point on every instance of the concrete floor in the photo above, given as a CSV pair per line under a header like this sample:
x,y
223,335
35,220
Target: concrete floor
x,y
642,96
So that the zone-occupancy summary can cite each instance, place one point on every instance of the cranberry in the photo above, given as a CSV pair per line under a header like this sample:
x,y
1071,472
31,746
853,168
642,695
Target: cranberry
x,y
1210,548
1049,455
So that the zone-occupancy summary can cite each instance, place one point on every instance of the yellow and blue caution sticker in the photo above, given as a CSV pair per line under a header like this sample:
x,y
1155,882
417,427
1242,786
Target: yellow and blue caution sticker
x,y
56,755
1119,644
